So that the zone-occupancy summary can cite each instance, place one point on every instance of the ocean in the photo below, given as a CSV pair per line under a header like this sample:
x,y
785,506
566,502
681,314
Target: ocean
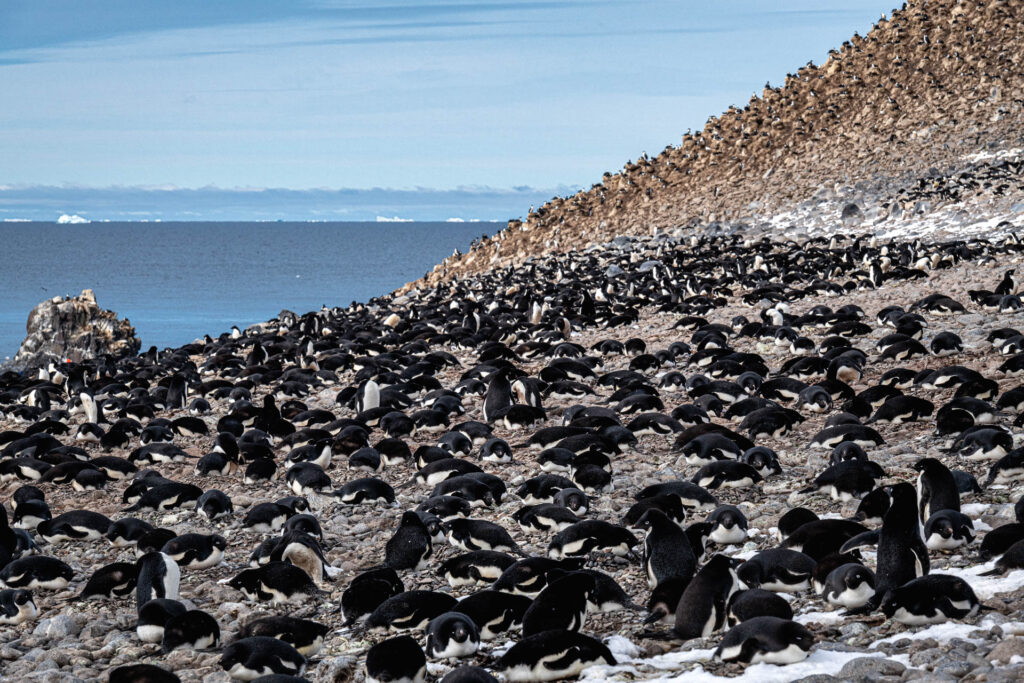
x,y
176,282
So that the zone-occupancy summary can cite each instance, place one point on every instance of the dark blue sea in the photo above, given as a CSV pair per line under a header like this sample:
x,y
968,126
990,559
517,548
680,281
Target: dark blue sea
x,y
179,281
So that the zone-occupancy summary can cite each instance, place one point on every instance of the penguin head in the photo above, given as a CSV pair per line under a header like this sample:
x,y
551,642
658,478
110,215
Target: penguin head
x,y
889,604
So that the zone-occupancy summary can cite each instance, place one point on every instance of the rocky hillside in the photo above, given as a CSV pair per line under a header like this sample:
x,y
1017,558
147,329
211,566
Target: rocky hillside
x,y
933,92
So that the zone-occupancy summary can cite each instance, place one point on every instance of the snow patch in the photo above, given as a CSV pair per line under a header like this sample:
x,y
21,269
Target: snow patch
x,y
72,219
393,219
986,587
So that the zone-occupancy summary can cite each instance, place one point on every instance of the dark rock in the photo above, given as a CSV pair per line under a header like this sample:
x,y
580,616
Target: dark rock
x,y
74,328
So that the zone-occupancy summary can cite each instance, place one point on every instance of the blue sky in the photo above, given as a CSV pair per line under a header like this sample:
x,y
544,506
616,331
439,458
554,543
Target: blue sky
x,y
332,94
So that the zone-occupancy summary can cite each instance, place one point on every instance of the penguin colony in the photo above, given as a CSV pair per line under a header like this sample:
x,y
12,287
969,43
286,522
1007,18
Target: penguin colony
x,y
537,475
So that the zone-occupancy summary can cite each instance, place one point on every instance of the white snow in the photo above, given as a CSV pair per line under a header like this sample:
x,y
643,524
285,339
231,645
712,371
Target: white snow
x,y
974,510
944,632
393,219
72,219
987,586
824,618
819,661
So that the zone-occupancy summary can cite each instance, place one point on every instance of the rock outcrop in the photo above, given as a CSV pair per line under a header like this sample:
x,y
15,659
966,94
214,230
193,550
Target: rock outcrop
x,y
74,328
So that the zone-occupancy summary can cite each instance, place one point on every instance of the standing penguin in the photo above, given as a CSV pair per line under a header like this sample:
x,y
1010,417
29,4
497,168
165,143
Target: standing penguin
x,y
704,605
936,488
667,552
158,578
902,555
562,605
410,547
498,396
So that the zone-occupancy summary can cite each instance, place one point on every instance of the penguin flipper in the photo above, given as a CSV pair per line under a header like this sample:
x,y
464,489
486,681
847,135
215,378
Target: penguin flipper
x,y
866,538
571,655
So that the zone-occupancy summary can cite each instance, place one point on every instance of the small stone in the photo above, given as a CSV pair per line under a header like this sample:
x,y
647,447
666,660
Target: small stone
x,y
60,626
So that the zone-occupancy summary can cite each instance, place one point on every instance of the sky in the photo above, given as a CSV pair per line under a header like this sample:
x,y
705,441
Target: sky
x,y
108,104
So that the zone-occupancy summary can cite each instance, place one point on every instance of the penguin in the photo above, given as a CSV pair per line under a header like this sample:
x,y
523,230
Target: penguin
x,y
158,577
561,605
214,504
902,555
476,534
754,602
703,607
36,571
544,517
948,530
445,508
475,568
728,525
496,450
552,655
849,585
194,629
167,497
1008,469
469,674
765,639
409,610
366,490
588,535
494,612
127,531
76,525
305,636
931,599
763,459
249,658
778,569
689,494
196,551
574,500
111,581
141,673
410,546
661,606
498,398
267,517
793,519
936,488
278,582
396,660
17,606
667,553
154,615
529,576
999,540
727,474
367,590
822,537
452,635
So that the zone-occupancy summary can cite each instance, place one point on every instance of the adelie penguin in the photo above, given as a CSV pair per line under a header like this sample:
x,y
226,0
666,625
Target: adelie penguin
x,y
589,535
249,658
703,607
111,581
410,546
158,577
902,555
142,673
778,569
561,605
305,636
196,551
931,599
410,610
494,612
849,585
667,552
474,534
277,582
396,660
154,615
765,639
366,592
754,602
194,629
475,568
452,635
17,606
36,571
553,655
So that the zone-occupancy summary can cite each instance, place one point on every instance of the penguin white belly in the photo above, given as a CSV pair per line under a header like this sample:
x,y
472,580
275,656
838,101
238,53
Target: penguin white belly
x,y
851,598
788,655
903,616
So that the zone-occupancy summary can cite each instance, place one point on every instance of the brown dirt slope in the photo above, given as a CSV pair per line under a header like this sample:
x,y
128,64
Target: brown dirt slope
x,y
934,82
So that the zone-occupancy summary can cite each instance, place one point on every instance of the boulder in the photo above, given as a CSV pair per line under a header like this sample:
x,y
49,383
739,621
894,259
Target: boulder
x,y
73,329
